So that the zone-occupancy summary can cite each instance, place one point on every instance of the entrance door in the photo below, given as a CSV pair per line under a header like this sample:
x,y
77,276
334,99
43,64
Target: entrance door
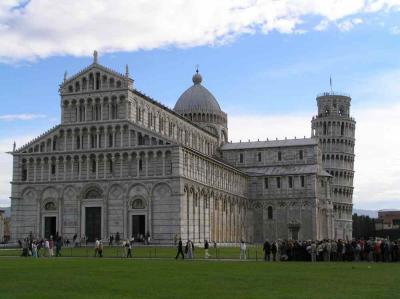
x,y
295,233
50,226
93,223
138,226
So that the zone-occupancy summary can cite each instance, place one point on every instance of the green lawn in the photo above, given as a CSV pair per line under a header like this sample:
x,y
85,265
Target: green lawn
x,y
122,278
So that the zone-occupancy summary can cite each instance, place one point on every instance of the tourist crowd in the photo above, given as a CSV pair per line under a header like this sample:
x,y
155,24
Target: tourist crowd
x,y
43,247
373,250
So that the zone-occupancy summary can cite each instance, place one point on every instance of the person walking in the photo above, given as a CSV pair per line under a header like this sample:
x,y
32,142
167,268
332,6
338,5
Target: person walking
x,y
129,247
243,250
267,251
206,246
180,250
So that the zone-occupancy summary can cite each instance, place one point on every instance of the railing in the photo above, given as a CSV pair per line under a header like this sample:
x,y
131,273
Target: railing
x,y
333,93
221,251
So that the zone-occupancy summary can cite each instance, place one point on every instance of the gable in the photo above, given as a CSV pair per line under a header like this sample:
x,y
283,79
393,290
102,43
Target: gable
x,y
95,77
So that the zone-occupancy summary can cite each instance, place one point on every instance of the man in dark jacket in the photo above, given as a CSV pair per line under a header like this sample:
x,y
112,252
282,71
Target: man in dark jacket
x,y
267,251
274,250
180,249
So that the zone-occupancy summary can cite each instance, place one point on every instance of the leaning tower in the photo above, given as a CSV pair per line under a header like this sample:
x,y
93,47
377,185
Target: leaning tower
x,y
335,130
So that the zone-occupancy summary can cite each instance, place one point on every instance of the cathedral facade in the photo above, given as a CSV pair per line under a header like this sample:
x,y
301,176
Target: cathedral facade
x,y
121,162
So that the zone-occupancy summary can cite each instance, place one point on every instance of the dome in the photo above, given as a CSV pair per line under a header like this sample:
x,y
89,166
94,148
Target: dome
x,y
197,98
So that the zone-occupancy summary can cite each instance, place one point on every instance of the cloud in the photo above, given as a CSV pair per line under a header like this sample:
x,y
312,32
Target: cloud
x,y
347,25
13,117
395,30
79,27
377,164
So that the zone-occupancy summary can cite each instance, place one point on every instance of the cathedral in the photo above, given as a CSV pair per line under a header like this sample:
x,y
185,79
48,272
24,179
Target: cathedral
x,y
122,162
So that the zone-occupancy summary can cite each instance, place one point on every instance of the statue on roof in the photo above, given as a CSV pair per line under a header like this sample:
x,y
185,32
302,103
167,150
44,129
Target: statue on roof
x,y
95,56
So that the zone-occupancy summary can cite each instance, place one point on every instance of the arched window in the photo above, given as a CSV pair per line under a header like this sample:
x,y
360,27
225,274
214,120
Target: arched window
x,y
93,165
341,111
140,165
97,80
342,129
325,129
24,171
110,166
326,111
91,81
55,143
279,156
84,84
270,213
114,111
97,112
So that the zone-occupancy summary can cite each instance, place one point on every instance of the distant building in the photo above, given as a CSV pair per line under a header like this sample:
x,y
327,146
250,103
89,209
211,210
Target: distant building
x,y
388,220
121,162
388,224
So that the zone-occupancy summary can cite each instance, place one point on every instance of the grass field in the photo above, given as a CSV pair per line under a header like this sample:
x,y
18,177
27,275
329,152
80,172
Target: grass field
x,y
122,278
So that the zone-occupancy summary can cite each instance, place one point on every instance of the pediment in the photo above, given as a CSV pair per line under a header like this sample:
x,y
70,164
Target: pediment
x,y
95,77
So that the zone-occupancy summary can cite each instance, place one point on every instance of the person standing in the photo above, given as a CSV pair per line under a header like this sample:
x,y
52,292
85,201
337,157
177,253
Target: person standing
x,y
147,238
47,247
243,250
100,250
206,246
74,238
34,250
274,249
51,246
190,249
267,251
180,250
58,246
313,252
96,247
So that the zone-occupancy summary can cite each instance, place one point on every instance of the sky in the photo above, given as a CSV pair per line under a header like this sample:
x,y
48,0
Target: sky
x,y
264,61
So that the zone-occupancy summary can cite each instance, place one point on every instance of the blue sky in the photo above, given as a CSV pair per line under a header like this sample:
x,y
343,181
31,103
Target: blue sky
x,y
265,69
